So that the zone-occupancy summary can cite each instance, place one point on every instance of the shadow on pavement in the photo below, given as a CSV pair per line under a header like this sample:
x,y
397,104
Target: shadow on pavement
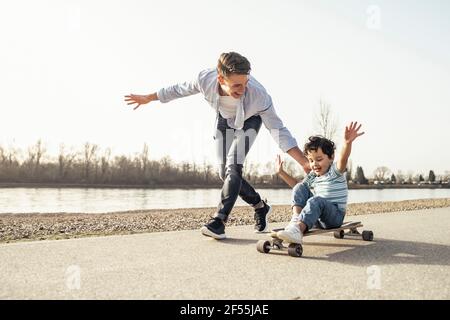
x,y
237,241
358,252
384,251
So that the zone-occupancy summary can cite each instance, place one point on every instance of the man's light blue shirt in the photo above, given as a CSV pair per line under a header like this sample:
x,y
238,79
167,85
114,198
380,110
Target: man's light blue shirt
x,y
255,101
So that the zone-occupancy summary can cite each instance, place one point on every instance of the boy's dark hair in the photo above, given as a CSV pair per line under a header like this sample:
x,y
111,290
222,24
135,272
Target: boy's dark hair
x,y
316,142
232,62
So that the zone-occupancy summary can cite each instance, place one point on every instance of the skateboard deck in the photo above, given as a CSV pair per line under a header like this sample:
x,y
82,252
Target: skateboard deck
x,y
296,249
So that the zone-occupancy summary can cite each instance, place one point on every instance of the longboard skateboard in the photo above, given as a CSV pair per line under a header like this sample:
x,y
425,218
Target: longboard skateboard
x,y
296,249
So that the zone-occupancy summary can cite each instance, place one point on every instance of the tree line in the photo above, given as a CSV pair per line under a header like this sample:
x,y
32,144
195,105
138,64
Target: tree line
x,y
93,166
383,175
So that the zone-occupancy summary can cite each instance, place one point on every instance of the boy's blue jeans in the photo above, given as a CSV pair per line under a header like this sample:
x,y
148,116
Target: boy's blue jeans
x,y
317,211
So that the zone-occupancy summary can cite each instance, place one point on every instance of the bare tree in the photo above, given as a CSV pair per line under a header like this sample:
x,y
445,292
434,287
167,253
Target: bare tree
x,y
13,156
3,162
165,165
410,177
381,173
65,161
104,164
207,171
40,151
10,163
144,160
3,156
446,176
35,154
89,156
326,121
122,168
400,177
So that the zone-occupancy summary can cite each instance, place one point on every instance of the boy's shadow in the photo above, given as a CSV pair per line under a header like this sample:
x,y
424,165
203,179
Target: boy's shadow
x,y
383,251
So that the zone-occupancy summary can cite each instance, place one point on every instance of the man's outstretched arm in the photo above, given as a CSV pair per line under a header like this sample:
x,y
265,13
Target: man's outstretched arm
x,y
282,136
166,94
298,156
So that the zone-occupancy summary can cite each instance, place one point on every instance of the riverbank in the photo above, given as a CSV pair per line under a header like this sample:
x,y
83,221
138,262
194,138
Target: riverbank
x,y
46,226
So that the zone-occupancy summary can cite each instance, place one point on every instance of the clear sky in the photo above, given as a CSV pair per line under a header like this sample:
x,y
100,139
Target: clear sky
x,y
66,65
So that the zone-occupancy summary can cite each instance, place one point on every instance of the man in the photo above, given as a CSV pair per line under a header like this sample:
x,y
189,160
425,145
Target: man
x,y
241,104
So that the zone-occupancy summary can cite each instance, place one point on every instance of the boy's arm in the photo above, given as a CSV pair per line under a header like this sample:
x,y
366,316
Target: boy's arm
x,y
291,181
351,133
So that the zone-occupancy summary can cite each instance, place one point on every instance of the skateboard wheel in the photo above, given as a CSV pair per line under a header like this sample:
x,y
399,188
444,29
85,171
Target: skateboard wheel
x,y
339,234
295,250
367,235
263,246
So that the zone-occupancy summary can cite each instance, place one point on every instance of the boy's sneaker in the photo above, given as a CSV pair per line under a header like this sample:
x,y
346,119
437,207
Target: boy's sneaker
x,y
262,218
215,228
291,234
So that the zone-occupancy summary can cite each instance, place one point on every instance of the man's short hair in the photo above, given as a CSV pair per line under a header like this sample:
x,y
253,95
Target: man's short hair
x,y
233,63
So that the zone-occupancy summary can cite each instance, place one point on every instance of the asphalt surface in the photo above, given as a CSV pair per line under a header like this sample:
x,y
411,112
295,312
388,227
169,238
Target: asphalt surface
x,y
408,259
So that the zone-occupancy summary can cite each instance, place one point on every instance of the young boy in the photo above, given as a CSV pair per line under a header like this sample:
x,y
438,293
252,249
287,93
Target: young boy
x,y
325,208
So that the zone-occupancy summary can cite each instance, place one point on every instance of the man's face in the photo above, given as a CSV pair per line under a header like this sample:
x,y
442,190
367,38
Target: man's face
x,y
319,161
234,85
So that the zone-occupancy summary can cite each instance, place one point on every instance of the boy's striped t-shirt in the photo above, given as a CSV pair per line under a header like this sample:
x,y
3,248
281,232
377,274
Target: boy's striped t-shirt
x,y
331,186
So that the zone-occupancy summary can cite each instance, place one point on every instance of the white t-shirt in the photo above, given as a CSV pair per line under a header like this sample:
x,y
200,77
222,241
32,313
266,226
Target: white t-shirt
x,y
228,106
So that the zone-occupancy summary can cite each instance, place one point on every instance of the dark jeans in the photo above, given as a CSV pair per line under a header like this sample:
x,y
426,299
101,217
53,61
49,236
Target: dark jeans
x,y
232,147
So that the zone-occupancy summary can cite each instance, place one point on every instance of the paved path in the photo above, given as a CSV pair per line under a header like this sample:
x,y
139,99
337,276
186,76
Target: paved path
x,y
409,259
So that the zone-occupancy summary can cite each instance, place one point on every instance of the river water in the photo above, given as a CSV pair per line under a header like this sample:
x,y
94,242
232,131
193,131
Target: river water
x,y
91,200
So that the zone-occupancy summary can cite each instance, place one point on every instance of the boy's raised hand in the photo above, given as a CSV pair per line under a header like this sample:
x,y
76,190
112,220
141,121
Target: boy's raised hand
x,y
279,164
351,132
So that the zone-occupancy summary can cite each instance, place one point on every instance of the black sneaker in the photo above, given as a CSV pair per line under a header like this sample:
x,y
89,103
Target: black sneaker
x,y
262,218
215,228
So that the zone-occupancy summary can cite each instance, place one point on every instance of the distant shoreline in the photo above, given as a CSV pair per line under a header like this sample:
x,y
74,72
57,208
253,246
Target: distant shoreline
x,y
257,186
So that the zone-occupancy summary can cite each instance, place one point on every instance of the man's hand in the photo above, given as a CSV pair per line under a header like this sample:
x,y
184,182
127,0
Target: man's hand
x,y
351,132
140,99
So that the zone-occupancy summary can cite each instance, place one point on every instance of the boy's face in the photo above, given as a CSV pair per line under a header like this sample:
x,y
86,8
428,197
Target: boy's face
x,y
234,85
319,161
